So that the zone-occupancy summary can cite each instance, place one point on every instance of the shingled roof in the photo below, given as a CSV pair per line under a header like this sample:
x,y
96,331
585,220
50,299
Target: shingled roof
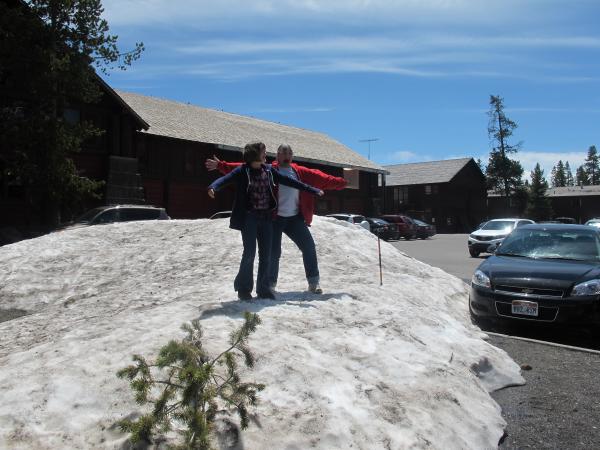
x,y
424,172
232,131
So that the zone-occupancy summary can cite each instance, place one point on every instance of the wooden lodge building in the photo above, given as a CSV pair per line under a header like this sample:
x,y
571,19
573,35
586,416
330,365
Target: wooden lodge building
x,y
581,203
153,151
451,194
180,137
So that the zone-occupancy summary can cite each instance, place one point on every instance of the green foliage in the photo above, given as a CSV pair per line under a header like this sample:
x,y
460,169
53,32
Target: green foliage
x,y
559,175
569,181
581,177
503,173
193,386
49,49
592,166
538,204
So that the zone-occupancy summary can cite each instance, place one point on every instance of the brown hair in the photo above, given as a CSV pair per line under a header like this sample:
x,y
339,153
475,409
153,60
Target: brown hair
x,y
252,151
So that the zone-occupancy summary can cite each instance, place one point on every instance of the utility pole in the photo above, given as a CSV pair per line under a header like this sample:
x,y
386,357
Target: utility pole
x,y
369,141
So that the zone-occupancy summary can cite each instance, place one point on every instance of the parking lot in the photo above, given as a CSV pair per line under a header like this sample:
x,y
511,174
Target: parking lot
x,y
558,406
449,252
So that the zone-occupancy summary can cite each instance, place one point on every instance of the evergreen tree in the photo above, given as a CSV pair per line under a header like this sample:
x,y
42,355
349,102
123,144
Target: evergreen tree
x,y
538,204
569,181
195,387
503,173
559,176
581,177
49,49
592,166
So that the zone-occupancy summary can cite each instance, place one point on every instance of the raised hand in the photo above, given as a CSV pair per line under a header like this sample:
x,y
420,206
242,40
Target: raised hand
x,y
212,164
211,193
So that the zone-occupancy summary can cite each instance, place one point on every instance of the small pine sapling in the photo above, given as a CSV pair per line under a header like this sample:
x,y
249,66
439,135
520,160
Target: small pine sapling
x,y
193,386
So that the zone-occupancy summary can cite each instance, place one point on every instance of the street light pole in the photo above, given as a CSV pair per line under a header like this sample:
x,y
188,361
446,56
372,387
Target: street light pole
x,y
369,141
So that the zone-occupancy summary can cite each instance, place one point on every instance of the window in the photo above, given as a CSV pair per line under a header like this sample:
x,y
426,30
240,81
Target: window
x,y
72,116
106,217
130,214
427,189
189,163
400,196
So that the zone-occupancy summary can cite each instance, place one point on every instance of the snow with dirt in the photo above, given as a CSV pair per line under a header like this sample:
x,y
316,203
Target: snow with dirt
x,y
362,366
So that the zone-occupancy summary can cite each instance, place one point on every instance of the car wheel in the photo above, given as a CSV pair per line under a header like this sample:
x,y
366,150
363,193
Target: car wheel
x,y
473,253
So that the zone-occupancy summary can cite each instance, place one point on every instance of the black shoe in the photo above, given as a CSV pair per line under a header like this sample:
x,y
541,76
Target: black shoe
x,y
268,295
244,295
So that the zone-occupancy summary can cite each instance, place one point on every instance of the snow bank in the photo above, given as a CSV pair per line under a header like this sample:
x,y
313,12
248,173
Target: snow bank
x,y
362,366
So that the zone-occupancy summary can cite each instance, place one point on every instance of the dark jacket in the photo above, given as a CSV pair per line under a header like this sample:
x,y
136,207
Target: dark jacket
x,y
241,177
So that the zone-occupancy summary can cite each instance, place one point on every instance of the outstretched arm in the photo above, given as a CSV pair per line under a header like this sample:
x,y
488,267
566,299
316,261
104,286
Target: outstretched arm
x,y
222,166
322,180
225,180
287,181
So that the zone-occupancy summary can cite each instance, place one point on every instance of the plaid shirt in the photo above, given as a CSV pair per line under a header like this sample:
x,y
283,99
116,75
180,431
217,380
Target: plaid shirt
x,y
259,190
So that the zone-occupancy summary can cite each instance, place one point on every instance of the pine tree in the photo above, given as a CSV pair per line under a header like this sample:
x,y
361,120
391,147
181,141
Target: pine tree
x,y
592,166
569,181
581,177
538,204
49,48
558,176
503,173
195,386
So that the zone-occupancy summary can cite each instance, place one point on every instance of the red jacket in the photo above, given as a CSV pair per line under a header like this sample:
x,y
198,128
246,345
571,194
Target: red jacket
x,y
312,177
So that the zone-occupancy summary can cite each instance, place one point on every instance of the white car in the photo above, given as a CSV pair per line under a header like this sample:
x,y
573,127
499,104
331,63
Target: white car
x,y
352,218
492,233
593,223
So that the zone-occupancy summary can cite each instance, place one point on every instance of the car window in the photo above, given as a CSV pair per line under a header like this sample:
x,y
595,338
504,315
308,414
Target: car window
x,y
88,216
130,214
499,225
359,219
558,244
106,217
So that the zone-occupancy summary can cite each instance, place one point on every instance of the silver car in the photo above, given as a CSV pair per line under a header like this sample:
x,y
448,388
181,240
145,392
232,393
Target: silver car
x,y
118,213
492,233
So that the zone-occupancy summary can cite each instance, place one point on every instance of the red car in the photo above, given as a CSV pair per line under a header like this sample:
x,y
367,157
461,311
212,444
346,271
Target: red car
x,y
406,226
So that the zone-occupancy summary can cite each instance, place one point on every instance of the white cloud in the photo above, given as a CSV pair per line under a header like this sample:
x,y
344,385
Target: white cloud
x,y
405,156
269,13
547,160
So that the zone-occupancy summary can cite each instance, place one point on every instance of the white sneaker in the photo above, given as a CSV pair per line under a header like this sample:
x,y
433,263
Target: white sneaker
x,y
315,288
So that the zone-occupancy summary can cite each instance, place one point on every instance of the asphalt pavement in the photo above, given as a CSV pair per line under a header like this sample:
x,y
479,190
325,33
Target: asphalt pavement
x,y
559,407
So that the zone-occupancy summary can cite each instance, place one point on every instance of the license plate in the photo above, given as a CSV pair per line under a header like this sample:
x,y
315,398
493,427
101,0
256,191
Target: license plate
x,y
525,308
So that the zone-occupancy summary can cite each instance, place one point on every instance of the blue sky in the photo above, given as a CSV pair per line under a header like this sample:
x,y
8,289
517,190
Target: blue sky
x,y
415,74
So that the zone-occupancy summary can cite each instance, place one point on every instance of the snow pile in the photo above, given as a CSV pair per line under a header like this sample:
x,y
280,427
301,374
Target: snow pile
x,y
362,366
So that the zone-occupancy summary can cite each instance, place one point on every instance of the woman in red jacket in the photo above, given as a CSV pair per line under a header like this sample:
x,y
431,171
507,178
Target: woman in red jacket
x,y
294,212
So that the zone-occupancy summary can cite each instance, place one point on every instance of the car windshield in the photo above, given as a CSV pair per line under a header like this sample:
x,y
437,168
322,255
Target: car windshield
x,y
88,216
499,225
580,245
418,222
378,221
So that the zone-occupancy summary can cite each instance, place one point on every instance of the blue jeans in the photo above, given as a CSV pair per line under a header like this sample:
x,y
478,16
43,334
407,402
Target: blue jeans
x,y
257,227
296,229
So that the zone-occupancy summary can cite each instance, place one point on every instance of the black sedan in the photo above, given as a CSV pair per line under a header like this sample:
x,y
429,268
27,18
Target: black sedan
x,y
541,273
383,228
424,230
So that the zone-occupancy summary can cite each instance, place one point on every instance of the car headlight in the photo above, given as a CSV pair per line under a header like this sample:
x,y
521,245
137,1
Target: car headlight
x,y
591,287
481,279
